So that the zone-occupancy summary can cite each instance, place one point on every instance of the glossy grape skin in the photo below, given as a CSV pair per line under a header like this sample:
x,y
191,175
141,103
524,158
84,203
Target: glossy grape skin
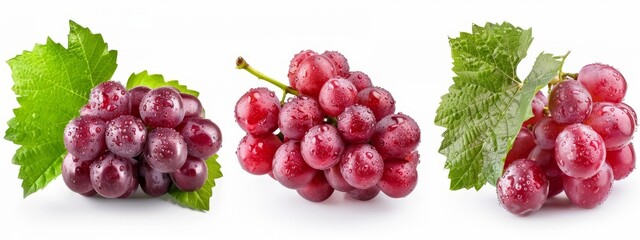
x,y
556,186
537,107
192,106
322,147
360,80
152,182
312,73
295,63
111,175
622,161
89,193
592,191
257,111
399,178
109,100
522,146
604,82
356,124
162,107
86,111
298,115
317,190
378,100
202,136
255,153
126,135
135,95
76,174
336,95
133,184
166,150
523,187
364,194
339,61
361,166
396,136
84,137
579,151
546,132
625,107
191,176
615,126
289,169
546,159
336,180
569,102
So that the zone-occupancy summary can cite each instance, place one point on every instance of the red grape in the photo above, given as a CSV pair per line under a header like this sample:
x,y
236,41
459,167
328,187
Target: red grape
x,y
312,73
165,151
538,104
255,153
153,182
126,136
360,80
135,95
396,136
84,137
378,100
622,161
569,102
523,187
399,178
336,180
109,100
322,147
546,131
580,152
522,146
75,174
364,194
615,126
192,106
339,62
257,111
336,95
111,175
361,166
191,176
289,168
202,136
592,191
356,124
317,190
162,107
298,115
295,63
604,82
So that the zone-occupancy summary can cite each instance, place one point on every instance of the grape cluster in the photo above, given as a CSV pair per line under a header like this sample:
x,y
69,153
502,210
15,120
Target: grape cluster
x,y
578,141
152,138
339,132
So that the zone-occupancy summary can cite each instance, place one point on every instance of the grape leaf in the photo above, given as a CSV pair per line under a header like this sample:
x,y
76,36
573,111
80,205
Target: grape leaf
x,y
199,200
487,104
156,81
52,82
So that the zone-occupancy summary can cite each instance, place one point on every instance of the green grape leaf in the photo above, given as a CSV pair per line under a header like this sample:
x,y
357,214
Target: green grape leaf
x,y
487,103
52,83
199,200
156,81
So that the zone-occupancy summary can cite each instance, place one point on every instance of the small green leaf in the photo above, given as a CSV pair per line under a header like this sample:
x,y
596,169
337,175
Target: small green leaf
x,y
487,103
52,82
156,81
199,200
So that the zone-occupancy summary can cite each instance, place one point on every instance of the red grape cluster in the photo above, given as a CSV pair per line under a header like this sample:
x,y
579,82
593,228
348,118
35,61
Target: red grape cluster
x,y
145,137
338,133
580,143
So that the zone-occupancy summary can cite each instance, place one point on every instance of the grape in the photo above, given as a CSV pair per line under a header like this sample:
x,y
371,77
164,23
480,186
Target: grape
x,y
361,166
579,151
312,73
336,180
378,100
75,174
547,161
86,111
298,115
136,94
109,100
604,82
162,107
89,193
360,80
336,95
192,106
289,168
165,151
322,147
546,131
133,184
317,190
125,136
396,136
625,107
556,186
537,106
521,147
364,194
615,126
255,153
590,192
203,137
413,158
622,161
295,63
152,182
523,187
191,176
356,124
84,137
257,111
111,175
399,178
339,62
569,102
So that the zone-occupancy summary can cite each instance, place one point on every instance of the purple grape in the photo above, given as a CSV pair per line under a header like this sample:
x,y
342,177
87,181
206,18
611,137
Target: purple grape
x,y
336,95
312,73
569,102
399,178
255,153
192,106
364,194
604,82
125,136
165,151
298,115
336,180
84,137
152,182
295,63
396,136
191,176
360,80
580,152
361,166
339,62
289,168
257,111
546,131
75,174
135,95
356,124
615,126
378,100
592,191
111,175
203,137
162,107
522,146
622,161
322,147
109,100
523,187
317,190
133,185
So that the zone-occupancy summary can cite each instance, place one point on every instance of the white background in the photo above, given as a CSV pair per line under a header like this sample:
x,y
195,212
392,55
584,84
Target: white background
x,y
402,45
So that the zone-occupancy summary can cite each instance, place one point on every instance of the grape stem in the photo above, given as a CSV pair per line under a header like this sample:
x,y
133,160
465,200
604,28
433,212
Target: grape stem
x,y
242,64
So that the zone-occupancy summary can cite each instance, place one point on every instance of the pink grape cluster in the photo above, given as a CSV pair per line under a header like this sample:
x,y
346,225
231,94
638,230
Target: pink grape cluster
x,y
579,143
152,138
339,133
